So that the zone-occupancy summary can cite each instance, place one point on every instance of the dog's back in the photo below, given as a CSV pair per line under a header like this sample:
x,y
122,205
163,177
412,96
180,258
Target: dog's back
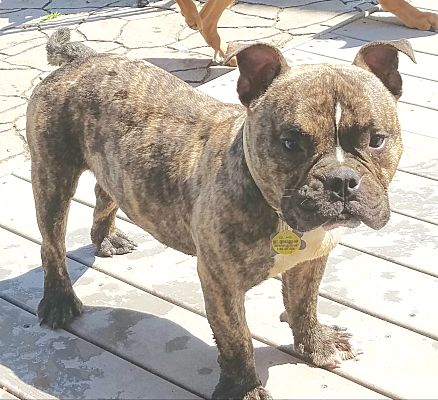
x,y
108,113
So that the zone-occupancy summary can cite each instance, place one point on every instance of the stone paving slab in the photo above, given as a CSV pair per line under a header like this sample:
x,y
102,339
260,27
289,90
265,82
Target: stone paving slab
x,y
156,33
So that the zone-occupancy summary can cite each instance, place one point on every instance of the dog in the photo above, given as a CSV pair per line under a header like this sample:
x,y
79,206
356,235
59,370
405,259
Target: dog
x,y
253,190
207,19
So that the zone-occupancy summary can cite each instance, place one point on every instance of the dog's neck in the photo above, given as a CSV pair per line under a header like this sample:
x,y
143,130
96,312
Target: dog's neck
x,y
254,175
250,165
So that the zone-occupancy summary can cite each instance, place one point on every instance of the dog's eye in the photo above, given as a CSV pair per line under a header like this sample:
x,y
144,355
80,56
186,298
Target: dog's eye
x,y
377,141
291,144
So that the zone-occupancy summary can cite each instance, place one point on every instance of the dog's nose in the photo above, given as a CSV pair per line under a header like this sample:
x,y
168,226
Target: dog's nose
x,y
343,182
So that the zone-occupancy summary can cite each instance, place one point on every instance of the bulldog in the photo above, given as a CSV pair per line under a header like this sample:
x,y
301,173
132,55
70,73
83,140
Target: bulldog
x,y
253,190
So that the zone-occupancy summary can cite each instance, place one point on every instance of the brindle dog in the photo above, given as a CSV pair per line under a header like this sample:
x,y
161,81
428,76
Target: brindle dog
x,y
312,149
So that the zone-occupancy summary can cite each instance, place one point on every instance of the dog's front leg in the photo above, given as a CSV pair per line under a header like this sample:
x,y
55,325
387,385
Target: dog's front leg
x,y
210,14
324,345
224,304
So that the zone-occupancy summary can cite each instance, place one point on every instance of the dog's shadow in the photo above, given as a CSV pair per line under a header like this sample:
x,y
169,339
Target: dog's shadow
x,y
164,340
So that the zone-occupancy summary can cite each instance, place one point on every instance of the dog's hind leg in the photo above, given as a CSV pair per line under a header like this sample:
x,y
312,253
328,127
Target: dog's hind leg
x,y
105,236
54,182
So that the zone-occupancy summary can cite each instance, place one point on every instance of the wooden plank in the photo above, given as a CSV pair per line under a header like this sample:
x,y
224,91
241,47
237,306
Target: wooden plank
x,y
415,119
157,334
346,274
40,363
172,275
419,155
403,240
415,196
6,395
345,48
223,88
396,294
369,29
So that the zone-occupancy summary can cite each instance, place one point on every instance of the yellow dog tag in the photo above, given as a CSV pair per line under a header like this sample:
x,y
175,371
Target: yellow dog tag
x,y
286,242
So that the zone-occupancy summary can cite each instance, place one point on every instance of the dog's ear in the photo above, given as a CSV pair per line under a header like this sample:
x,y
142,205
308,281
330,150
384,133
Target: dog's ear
x,y
381,58
258,64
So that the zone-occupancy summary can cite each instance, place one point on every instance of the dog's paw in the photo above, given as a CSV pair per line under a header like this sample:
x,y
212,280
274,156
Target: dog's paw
x,y
58,307
258,393
284,317
427,21
328,346
142,3
233,391
424,21
115,243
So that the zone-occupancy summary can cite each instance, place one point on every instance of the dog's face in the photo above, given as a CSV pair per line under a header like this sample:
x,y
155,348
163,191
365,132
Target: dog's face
x,y
327,147
323,141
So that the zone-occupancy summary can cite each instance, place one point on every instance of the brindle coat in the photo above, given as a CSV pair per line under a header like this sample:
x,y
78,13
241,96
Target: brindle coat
x,y
213,179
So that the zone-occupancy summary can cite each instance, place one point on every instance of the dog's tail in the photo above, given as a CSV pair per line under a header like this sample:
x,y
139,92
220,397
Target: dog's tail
x,y
60,50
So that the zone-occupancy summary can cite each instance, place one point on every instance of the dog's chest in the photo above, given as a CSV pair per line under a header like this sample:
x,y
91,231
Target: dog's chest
x,y
315,244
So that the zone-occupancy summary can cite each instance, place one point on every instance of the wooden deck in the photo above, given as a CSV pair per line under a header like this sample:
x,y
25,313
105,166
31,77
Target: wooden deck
x,y
144,333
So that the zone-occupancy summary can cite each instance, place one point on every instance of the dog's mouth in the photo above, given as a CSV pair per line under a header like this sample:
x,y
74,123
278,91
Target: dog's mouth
x,y
329,204
315,206
328,216
344,219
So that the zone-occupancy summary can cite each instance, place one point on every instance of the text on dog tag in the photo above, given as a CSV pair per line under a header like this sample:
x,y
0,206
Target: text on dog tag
x,y
286,242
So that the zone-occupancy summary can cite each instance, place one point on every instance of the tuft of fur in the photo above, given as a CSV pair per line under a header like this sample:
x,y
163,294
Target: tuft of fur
x,y
60,50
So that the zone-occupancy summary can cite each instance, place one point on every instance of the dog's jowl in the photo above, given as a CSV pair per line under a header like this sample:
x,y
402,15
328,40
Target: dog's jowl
x,y
252,190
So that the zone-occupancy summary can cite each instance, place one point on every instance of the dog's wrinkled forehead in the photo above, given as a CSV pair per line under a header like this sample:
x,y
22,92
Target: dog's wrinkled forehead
x,y
313,96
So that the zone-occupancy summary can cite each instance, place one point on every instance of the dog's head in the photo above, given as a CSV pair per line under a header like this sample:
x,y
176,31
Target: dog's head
x,y
322,142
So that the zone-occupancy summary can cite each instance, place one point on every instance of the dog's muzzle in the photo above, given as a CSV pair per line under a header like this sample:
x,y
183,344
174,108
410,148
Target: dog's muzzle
x,y
330,199
343,183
